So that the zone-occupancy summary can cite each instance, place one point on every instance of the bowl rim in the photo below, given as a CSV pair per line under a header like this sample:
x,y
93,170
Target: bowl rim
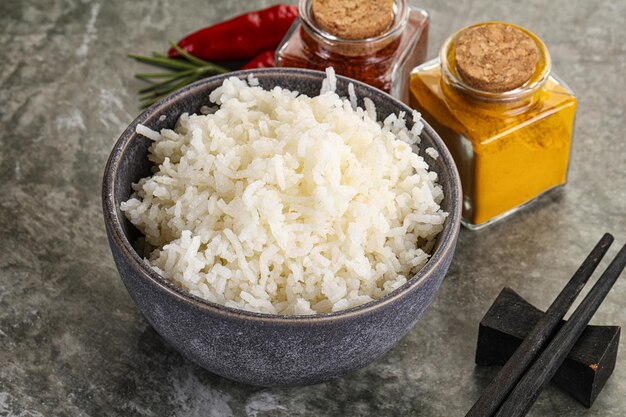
x,y
448,235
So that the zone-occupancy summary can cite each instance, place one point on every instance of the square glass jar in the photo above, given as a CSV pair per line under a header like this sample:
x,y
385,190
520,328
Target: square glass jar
x,y
509,147
384,61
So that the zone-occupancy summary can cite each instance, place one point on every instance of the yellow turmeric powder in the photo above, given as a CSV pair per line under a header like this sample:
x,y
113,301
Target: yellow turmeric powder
x,y
509,147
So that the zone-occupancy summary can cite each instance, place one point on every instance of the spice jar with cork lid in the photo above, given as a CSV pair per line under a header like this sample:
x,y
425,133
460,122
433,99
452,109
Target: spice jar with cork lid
x,y
374,41
506,118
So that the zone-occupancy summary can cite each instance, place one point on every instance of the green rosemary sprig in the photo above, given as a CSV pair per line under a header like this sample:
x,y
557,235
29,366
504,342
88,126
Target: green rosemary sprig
x,y
179,72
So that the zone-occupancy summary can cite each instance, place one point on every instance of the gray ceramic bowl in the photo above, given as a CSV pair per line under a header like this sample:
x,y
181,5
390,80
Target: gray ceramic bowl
x,y
263,349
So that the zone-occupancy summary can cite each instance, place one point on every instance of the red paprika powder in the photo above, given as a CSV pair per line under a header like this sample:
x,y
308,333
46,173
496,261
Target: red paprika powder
x,y
383,60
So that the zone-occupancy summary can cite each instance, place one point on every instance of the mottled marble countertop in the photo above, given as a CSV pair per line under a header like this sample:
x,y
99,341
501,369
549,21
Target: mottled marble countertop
x,y
72,342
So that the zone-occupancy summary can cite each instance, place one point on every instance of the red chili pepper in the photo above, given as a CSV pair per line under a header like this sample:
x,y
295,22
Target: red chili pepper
x,y
241,37
263,60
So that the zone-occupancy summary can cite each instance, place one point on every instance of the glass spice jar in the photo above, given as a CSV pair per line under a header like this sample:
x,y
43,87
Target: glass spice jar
x,y
383,61
510,146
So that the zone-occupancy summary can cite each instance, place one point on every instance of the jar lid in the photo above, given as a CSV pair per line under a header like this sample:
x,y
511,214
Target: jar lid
x,y
369,46
353,19
495,57
513,88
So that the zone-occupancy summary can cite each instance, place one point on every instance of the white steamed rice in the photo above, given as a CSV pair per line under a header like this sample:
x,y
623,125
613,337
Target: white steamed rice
x,y
277,202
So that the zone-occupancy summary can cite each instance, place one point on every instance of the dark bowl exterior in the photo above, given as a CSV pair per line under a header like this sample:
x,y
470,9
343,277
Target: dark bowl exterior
x,y
262,349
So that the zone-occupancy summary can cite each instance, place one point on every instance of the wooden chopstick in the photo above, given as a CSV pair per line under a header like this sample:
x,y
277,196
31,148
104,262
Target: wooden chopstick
x,y
500,387
541,372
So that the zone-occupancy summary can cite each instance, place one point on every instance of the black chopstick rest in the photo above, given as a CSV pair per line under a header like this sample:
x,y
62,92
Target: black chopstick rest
x,y
525,393
509,375
587,367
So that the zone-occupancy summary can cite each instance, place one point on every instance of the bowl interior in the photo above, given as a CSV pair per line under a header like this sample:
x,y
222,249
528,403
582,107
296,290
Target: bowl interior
x,y
128,162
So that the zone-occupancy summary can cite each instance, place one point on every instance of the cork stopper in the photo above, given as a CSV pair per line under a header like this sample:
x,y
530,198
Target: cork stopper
x,y
495,57
353,19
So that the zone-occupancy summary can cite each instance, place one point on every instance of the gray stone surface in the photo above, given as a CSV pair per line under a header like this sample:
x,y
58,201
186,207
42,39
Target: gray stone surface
x,y
71,340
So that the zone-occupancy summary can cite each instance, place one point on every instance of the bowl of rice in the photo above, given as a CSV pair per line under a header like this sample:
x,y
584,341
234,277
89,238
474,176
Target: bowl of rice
x,y
281,226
